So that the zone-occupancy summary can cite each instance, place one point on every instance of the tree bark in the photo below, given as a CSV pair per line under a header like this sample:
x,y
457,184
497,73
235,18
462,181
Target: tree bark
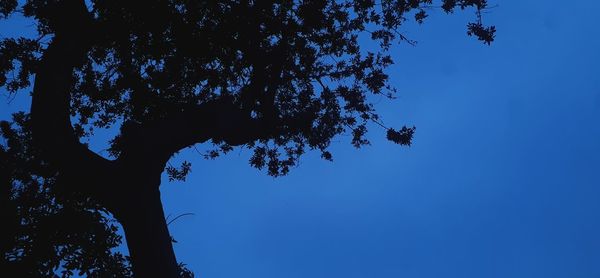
x,y
148,239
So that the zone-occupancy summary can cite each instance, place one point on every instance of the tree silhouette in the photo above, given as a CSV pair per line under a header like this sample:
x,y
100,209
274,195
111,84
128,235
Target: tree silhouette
x,y
276,77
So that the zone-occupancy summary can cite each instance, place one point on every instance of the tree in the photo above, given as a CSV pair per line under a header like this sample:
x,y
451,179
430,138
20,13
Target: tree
x,y
276,77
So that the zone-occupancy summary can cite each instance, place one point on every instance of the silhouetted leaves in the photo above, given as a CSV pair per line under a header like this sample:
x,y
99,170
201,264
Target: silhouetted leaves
x,y
18,59
295,66
420,16
42,230
485,34
179,173
7,7
477,29
258,158
403,136
327,155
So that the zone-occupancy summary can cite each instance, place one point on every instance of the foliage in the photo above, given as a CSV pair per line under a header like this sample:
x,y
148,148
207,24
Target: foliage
x,y
402,137
179,173
44,232
299,68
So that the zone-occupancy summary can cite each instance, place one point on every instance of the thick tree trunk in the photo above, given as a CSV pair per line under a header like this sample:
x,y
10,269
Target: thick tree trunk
x,y
148,238
128,187
134,201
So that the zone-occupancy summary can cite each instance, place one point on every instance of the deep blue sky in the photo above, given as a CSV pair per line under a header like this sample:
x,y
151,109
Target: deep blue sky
x,y
503,178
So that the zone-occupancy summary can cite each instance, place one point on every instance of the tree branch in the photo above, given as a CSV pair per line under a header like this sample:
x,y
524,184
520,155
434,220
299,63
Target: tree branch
x,y
220,120
50,110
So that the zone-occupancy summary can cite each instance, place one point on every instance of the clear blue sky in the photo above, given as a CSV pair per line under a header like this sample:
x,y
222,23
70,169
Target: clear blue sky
x,y
503,178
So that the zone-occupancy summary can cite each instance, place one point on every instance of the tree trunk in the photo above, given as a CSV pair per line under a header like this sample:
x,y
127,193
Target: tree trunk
x,y
126,187
148,239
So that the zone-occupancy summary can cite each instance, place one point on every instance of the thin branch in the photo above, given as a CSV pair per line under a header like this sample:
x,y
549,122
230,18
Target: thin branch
x,y
178,216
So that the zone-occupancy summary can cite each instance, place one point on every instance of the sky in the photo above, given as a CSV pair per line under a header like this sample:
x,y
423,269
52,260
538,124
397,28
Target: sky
x,y
502,179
